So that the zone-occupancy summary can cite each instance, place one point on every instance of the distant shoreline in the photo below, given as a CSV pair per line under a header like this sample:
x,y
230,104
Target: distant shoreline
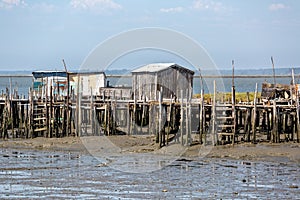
x,y
195,76
215,76
15,75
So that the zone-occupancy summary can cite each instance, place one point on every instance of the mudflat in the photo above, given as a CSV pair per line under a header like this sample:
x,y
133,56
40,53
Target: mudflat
x,y
282,152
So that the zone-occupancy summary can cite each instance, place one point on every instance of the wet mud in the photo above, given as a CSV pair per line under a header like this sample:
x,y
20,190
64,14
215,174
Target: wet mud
x,y
36,174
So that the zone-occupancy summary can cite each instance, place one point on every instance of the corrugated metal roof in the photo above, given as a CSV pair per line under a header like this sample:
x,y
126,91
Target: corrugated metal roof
x,y
154,67
157,67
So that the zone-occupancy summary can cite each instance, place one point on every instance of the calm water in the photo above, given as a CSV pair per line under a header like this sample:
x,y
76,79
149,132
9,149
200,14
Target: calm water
x,y
34,175
22,84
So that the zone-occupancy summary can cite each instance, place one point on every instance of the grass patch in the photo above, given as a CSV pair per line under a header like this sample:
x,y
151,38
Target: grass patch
x,y
239,96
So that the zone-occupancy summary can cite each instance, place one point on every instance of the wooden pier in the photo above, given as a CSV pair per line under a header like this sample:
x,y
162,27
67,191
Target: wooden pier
x,y
160,104
182,120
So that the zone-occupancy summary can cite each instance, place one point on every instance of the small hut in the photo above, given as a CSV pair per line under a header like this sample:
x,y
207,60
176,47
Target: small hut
x,y
89,82
170,77
44,80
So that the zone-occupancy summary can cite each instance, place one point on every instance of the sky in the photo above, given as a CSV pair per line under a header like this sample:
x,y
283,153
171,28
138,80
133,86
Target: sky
x,y
38,34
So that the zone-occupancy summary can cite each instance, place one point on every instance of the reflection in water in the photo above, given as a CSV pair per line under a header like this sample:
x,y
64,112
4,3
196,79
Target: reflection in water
x,y
57,175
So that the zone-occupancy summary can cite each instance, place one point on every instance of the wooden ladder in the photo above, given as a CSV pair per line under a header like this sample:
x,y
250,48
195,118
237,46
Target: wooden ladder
x,y
40,119
225,122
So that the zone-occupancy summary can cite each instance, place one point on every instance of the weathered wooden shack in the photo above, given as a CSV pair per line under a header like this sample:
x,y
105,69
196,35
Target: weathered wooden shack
x,y
44,80
171,77
277,91
89,82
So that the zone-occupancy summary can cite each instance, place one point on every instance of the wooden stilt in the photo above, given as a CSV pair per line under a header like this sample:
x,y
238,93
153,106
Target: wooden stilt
x,y
160,119
254,116
213,125
275,129
181,117
298,116
201,111
128,119
187,132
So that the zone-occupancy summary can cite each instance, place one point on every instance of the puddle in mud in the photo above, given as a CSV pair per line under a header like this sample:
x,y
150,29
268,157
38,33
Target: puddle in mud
x,y
31,174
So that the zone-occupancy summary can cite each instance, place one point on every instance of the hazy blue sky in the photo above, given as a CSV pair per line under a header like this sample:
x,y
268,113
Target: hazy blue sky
x,y
38,34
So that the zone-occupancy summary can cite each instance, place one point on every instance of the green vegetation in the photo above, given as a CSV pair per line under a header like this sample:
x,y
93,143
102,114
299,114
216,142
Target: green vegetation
x,y
239,96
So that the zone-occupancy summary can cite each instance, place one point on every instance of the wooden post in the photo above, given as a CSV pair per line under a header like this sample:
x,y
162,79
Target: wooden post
x,y
109,106
297,107
234,120
28,121
214,116
233,114
143,114
114,114
204,125
78,107
187,131
47,114
105,123
298,115
248,97
11,118
201,128
68,106
273,67
51,113
31,100
254,116
268,125
133,125
169,119
294,126
92,115
132,117
150,126
128,120
275,130
6,117
181,117
190,117
160,118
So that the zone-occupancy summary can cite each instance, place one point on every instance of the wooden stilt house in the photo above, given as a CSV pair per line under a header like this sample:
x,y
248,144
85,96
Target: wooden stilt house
x,y
170,77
